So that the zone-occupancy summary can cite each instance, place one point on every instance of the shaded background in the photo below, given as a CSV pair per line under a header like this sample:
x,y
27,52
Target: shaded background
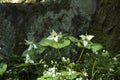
x,y
22,21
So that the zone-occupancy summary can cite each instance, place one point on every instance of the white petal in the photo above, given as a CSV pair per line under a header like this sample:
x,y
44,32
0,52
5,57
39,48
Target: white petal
x,y
34,46
28,42
31,61
89,37
30,47
85,43
27,56
53,33
56,38
50,37
83,37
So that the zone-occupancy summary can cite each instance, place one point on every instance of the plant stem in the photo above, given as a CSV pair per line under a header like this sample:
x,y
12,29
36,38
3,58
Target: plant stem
x,y
59,53
80,55
93,70
54,55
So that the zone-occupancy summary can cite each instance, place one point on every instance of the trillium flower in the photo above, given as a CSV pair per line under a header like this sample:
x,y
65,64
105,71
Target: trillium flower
x,y
28,60
54,36
31,45
86,39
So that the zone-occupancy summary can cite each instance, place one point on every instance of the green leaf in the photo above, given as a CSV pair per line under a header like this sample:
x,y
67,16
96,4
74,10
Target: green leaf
x,y
46,42
73,39
23,65
70,77
3,68
52,43
60,44
95,47
40,49
31,52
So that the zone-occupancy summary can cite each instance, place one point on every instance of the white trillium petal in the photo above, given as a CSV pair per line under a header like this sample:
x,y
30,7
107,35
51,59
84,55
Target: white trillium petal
x,y
34,46
85,43
30,47
50,37
56,38
28,42
82,36
31,61
89,37
53,33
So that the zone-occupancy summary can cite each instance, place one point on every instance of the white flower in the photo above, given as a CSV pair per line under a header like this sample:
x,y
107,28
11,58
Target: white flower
x,y
54,36
31,45
63,59
0,48
111,70
115,59
28,60
85,74
50,72
80,78
86,39
71,72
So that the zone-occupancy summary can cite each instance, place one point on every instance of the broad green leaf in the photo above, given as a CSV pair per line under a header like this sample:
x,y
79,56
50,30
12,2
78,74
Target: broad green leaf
x,y
95,47
73,39
45,42
70,77
23,65
60,44
40,49
3,68
52,43
31,52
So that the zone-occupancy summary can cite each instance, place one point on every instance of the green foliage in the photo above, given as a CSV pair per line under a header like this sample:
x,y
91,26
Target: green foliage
x,y
93,64
3,68
57,45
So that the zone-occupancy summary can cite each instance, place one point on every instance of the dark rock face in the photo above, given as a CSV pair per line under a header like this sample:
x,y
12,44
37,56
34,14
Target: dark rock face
x,y
23,16
106,26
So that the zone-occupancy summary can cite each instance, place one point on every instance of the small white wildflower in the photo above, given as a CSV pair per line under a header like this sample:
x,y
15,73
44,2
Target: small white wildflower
x,y
68,60
80,78
115,59
50,72
31,45
63,59
86,39
71,72
45,65
96,52
0,48
55,36
85,74
57,73
52,62
104,51
111,70
28,60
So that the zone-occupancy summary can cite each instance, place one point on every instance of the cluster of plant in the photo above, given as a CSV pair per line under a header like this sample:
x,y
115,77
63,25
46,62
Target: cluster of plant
x,y
91,61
